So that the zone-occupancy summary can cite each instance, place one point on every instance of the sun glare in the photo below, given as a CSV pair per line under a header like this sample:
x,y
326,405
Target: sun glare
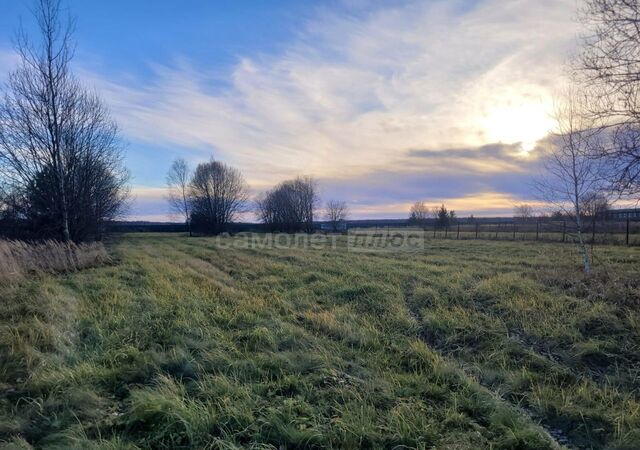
x,y
525,123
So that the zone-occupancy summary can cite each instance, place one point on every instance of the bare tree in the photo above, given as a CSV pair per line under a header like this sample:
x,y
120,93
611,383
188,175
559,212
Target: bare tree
x,y
218,195
59,149
178,180
609,69
337,212
418,214
290,206
594,207
307,188
523,212
570,171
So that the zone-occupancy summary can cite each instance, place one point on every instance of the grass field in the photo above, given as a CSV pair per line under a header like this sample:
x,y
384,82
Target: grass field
x,y
185,343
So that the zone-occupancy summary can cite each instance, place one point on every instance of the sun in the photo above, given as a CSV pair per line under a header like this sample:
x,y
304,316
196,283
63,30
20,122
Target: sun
x,y
525,123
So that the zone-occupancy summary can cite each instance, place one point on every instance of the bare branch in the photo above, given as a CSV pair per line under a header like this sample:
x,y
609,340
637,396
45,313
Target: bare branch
x,y
336,213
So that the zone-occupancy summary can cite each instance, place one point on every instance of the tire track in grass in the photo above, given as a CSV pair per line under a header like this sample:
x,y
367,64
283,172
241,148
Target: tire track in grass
x,y
555,435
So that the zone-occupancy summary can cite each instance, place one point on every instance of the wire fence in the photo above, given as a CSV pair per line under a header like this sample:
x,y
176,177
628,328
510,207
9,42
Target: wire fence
x,y
623,232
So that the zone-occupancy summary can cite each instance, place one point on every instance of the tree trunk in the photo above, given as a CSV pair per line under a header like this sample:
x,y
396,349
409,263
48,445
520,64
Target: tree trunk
x,y
66,236
581,243
585,253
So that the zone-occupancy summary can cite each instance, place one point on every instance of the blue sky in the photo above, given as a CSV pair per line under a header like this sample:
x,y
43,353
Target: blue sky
x,y
385,102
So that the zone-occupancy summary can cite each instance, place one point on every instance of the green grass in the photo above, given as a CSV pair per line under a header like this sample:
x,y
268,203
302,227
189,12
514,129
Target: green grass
x,y
183,343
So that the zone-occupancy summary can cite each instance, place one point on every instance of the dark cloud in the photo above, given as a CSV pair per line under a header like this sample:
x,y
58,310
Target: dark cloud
x,y
436,175
502,154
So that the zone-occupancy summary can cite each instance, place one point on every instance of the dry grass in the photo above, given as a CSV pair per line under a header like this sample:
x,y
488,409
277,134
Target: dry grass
x,y
19,258
202,343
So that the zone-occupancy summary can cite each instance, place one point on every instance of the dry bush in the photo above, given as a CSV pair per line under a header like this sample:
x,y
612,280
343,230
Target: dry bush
x,y
19,258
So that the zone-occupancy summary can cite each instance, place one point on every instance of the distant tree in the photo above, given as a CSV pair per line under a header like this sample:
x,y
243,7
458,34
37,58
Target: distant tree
x,y
435,210
523,212
441,216
557,214
218,195
336,212
418,214
594,207
452,217
178,181
290,206
571,174
60,152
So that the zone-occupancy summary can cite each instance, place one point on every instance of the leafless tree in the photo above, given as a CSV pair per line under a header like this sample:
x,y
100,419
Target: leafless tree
x,y
290,206
178,180
570,172
60,153
594,208
218,194
337,212
523,212
419,213
609,69
595,205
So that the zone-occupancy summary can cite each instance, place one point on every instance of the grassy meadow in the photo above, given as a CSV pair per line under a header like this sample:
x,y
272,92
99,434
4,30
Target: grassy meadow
x,y
198,343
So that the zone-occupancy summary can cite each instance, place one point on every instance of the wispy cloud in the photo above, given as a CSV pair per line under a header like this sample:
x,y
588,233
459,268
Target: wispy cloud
x,y
358,95
8,60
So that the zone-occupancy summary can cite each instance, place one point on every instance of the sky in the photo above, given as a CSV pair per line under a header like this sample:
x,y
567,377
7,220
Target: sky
x,y
383,102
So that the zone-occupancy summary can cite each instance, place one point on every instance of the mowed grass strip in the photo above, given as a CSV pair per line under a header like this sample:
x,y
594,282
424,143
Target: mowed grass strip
x,y
186,343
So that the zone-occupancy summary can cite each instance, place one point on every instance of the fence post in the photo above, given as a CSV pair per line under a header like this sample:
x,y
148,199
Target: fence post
x,y
627,231
514,231
458,233
497,228
564,229
434,229
476,231
446,231
537,228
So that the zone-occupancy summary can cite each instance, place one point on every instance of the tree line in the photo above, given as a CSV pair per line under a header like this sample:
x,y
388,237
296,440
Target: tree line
x,y
420,213
214,195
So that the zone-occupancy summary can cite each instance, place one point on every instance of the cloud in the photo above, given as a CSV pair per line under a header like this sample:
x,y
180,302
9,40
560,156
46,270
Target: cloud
x,y
360,94
148,203
491,204
494,158
8,60
395,191
351,93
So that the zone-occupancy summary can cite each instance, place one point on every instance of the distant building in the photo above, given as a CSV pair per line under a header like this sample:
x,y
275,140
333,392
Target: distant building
x,y
623,214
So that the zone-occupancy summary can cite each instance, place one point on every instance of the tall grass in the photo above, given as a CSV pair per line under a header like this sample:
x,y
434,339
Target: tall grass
x,y
186,343
19,258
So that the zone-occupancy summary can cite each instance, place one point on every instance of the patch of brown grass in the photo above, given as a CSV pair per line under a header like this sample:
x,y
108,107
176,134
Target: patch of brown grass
x,y
19,258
